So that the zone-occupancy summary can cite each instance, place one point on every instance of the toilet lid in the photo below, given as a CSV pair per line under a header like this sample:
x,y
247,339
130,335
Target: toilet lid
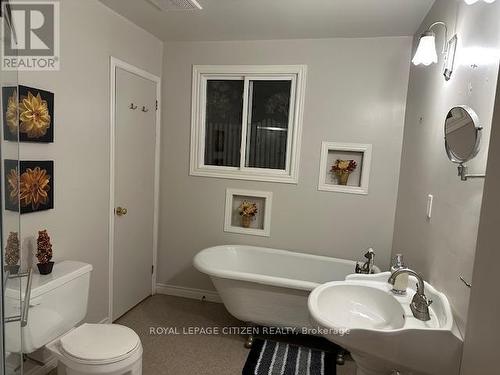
x,y
100,342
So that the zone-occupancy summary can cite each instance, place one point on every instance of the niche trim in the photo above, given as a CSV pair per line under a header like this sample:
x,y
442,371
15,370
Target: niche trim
x,y
359,180
261,226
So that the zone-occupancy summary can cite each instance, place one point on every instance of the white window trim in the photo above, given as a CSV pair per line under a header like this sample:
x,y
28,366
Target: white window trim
x,y
197,167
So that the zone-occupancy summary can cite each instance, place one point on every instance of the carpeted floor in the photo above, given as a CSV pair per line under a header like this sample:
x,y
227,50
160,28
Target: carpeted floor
x,y
181,354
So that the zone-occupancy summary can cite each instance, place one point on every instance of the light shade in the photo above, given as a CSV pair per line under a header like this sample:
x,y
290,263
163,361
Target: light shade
x,y
426,51
470,2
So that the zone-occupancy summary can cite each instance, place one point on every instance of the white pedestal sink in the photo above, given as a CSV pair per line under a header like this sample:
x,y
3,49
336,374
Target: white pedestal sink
x,y
380,330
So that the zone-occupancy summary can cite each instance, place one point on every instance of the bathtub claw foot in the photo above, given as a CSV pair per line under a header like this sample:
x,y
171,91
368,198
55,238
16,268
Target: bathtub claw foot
x,y
340,359
249,342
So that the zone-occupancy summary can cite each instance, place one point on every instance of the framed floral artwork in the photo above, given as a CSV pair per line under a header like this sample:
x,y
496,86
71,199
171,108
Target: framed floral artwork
x,y
28,114
29,185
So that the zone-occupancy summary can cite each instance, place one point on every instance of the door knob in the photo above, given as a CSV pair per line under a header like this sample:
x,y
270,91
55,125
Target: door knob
x,y
121,211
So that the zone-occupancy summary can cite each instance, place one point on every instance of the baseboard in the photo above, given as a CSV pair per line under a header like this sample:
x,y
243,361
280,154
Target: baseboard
x,y
193,293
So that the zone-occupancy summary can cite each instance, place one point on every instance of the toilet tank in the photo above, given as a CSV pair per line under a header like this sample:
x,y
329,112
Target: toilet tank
x,y
58,303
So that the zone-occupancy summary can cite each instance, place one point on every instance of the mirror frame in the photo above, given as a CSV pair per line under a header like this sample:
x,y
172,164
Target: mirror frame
x,y
475,119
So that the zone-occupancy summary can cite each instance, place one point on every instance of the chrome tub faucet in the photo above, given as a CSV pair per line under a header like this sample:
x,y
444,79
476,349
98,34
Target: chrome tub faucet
x,y
367,267
420,304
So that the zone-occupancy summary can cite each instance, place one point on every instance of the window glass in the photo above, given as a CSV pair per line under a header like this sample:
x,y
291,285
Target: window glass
x,y
224,112
269,110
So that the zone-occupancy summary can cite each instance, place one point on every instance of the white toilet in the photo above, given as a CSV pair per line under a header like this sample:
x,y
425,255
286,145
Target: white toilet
x,y
58,303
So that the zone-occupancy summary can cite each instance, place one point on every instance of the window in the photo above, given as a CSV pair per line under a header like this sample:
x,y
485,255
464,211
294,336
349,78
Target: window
x,y
246,122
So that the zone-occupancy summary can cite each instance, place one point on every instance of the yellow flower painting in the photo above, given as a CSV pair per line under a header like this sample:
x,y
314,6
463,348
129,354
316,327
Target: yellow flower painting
x,y
28,112
12,113
34,116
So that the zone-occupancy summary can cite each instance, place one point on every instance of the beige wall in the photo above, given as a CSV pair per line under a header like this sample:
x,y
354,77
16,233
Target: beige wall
x,y
443,247
481,341
78,226
356,92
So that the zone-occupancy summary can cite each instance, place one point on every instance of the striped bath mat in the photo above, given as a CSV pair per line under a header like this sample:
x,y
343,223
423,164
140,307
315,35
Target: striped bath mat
x,y
277,358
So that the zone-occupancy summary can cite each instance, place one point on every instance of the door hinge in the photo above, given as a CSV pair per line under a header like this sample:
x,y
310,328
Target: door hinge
x,y
152,270
157,105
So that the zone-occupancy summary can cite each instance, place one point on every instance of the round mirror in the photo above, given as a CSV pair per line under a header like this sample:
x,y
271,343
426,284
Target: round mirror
x,y
462,134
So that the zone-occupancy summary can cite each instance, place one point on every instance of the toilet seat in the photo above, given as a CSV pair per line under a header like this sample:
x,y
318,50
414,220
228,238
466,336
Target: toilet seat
x,y
99,344
98,349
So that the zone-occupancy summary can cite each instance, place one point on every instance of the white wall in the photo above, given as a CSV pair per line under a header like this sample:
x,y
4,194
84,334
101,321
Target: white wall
x,y
78,226
443,248
481,340
356,92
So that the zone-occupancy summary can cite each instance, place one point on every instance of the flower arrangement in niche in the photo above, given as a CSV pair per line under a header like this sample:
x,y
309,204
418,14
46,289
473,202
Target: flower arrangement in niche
x,y
247,211
342,170
44,253
12,250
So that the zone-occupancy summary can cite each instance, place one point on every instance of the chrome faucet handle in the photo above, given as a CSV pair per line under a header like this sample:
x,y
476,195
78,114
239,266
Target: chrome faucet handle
x,y
419,304
420,307
370,254
367,267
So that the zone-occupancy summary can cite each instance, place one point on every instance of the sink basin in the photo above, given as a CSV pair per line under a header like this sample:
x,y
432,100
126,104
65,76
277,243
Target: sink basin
x,y
359,306
362,315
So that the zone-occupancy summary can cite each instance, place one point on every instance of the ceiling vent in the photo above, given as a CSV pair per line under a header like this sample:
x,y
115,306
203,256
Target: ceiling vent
x,y
169,5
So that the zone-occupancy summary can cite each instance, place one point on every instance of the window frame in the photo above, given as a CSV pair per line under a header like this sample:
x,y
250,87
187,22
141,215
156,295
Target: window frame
x,y
201,73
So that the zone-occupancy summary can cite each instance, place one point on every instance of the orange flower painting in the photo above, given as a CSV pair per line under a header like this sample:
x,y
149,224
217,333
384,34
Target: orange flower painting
x,y
13,185
32,189
10,113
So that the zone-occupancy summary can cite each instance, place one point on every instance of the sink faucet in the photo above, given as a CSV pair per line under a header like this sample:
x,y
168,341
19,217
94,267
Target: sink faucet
x,y
367,267
420,304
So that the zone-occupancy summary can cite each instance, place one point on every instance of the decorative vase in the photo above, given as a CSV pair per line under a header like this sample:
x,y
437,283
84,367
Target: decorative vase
x,y
45,268
343,178
246,221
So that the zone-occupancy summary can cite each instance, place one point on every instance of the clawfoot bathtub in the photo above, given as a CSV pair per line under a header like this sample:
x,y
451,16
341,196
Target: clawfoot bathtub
x,y
269,287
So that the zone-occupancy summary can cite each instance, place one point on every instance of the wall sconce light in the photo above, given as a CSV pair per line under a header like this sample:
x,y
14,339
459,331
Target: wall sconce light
x,y
426,51
470,2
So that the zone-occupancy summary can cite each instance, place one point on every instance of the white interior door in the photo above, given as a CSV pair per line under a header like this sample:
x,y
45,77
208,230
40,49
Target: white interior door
x,y
134,165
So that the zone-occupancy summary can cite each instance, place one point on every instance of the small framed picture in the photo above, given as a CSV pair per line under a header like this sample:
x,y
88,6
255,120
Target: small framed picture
x,y
29,185
248,212
345,167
